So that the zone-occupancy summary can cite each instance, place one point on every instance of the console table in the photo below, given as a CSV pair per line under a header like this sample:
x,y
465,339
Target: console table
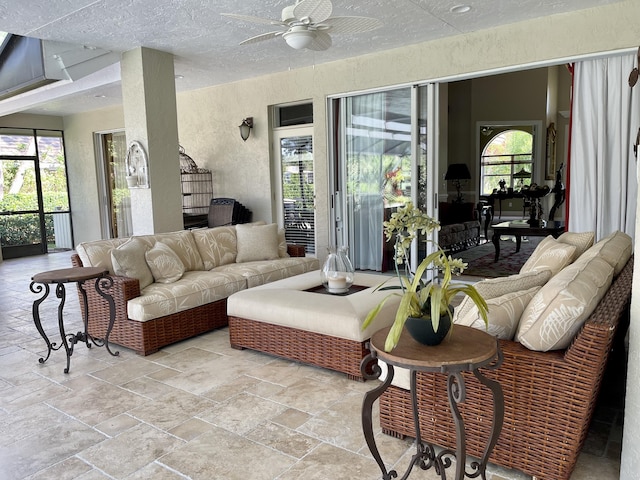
x,y
465,350
79,275
554,228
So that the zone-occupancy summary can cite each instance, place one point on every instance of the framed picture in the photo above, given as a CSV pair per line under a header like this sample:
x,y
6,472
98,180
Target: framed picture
x,y
550,164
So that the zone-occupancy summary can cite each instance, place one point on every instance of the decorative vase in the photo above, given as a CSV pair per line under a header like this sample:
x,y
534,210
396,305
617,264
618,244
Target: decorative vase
x,y
337,272
421,329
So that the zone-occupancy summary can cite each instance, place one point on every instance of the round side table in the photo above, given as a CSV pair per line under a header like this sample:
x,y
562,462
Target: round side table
x,y
465,350
79,275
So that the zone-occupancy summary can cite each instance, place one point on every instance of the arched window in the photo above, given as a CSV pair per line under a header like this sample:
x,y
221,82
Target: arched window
x,y
508,152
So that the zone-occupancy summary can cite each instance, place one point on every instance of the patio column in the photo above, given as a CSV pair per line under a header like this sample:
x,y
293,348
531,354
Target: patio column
x,y
150,118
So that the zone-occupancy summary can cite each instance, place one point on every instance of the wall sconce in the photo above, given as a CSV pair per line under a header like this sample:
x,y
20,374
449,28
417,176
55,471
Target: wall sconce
x,y
245,128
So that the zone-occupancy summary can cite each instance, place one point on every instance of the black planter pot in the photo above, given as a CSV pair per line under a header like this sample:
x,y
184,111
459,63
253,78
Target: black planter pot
x,y
421,330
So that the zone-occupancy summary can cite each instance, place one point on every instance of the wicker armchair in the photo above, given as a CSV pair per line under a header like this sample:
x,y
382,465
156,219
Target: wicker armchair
x,y
549,397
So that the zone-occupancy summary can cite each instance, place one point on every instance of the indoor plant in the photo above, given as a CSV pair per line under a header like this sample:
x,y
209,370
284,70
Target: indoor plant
x,y
428,300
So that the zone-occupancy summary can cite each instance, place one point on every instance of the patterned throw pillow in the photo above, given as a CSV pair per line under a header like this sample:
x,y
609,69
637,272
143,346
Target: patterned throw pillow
x,y
549,255
582,241
615,248
128,261
164,263
257,242
556,313
497,287
503,315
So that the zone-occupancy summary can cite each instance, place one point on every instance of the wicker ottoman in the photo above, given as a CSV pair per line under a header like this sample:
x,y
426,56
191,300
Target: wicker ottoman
x,y
294,319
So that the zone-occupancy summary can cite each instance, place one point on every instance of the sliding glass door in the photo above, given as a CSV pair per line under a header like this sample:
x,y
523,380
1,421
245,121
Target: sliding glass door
x,y
381,163
34,200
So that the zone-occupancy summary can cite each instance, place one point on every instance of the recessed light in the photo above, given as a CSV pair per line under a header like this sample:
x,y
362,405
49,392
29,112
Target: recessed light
x,y
460,9
178,77
100,96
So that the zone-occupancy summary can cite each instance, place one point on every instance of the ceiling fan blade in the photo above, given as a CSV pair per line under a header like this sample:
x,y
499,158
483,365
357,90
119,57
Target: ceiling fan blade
x,y
251,19
322,41
261,38
352,24
315,10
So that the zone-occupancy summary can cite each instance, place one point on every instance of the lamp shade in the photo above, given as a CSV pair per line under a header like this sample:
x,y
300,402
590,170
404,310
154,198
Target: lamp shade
x,y
299,38
457,171
522,173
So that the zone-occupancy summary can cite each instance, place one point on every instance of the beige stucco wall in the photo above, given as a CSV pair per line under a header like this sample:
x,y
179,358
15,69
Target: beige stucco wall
x,y
81,166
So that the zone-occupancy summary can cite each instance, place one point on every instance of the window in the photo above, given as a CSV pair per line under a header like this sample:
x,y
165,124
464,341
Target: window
x,y
507,152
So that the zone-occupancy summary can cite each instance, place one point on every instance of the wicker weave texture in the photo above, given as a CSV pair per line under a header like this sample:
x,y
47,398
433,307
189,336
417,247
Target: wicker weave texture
x,y
148,337
549,397
313,348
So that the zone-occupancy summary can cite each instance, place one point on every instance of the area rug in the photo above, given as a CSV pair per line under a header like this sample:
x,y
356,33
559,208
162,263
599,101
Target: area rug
x,y
481,258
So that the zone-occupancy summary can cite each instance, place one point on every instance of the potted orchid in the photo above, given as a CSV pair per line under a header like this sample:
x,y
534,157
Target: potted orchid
x,y
425,305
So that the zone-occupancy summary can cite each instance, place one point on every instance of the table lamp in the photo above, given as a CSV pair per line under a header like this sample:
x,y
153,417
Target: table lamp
x,y
455,173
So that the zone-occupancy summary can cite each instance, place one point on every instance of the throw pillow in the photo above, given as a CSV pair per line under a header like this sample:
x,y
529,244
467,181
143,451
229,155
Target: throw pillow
x,y
497,287
165,265
128,261
556,313
615,248
504,314
582,241
257,242
549,255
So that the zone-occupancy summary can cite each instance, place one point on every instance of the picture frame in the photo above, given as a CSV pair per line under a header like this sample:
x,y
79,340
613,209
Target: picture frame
x,y
550,161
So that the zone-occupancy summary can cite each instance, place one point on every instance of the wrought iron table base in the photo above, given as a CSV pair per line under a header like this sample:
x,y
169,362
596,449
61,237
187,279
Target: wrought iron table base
x,y
426,456
68,340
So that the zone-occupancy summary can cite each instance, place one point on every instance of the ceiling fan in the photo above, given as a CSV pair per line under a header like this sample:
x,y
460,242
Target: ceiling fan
x,y
307,24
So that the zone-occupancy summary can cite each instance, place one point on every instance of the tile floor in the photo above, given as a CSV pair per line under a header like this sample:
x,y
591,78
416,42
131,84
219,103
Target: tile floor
x,y
196,410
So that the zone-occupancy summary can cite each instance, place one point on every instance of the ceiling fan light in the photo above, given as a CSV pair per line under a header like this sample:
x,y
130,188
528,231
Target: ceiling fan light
x,y
299,39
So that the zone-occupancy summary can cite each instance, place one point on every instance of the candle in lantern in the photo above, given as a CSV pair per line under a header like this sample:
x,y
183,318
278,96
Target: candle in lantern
x,y
336,281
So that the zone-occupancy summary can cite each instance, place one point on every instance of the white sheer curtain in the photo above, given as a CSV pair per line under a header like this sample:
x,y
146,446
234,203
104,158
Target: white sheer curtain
x,y
606,116
365,208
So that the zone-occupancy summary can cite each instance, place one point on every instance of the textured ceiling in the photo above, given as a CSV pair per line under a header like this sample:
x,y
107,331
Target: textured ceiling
x,y
205,44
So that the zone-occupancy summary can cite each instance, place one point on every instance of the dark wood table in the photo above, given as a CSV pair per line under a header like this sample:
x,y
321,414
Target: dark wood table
x,y
466,349
78,275
518,230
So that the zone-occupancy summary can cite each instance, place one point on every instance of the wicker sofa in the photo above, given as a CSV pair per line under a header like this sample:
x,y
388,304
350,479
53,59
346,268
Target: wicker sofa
x,y
217,263
549,395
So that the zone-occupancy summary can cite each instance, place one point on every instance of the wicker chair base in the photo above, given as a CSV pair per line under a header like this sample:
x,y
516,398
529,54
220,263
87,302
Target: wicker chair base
x,y
150,336
313,348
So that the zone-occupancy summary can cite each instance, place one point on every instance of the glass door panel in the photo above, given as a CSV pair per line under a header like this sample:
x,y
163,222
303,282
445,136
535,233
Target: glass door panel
x,y
375,171
298,191
34,201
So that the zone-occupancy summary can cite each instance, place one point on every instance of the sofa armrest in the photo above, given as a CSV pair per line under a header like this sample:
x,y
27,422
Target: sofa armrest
x,y
296,250
122,290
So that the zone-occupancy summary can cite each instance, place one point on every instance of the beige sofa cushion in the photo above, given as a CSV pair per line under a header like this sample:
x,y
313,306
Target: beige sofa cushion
x,y
556,313
257,242
98,253
217,246
549,255
128,261
615,248
182,243
164,263
265,271
282,244
497,287
504,314
195,288
581,240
